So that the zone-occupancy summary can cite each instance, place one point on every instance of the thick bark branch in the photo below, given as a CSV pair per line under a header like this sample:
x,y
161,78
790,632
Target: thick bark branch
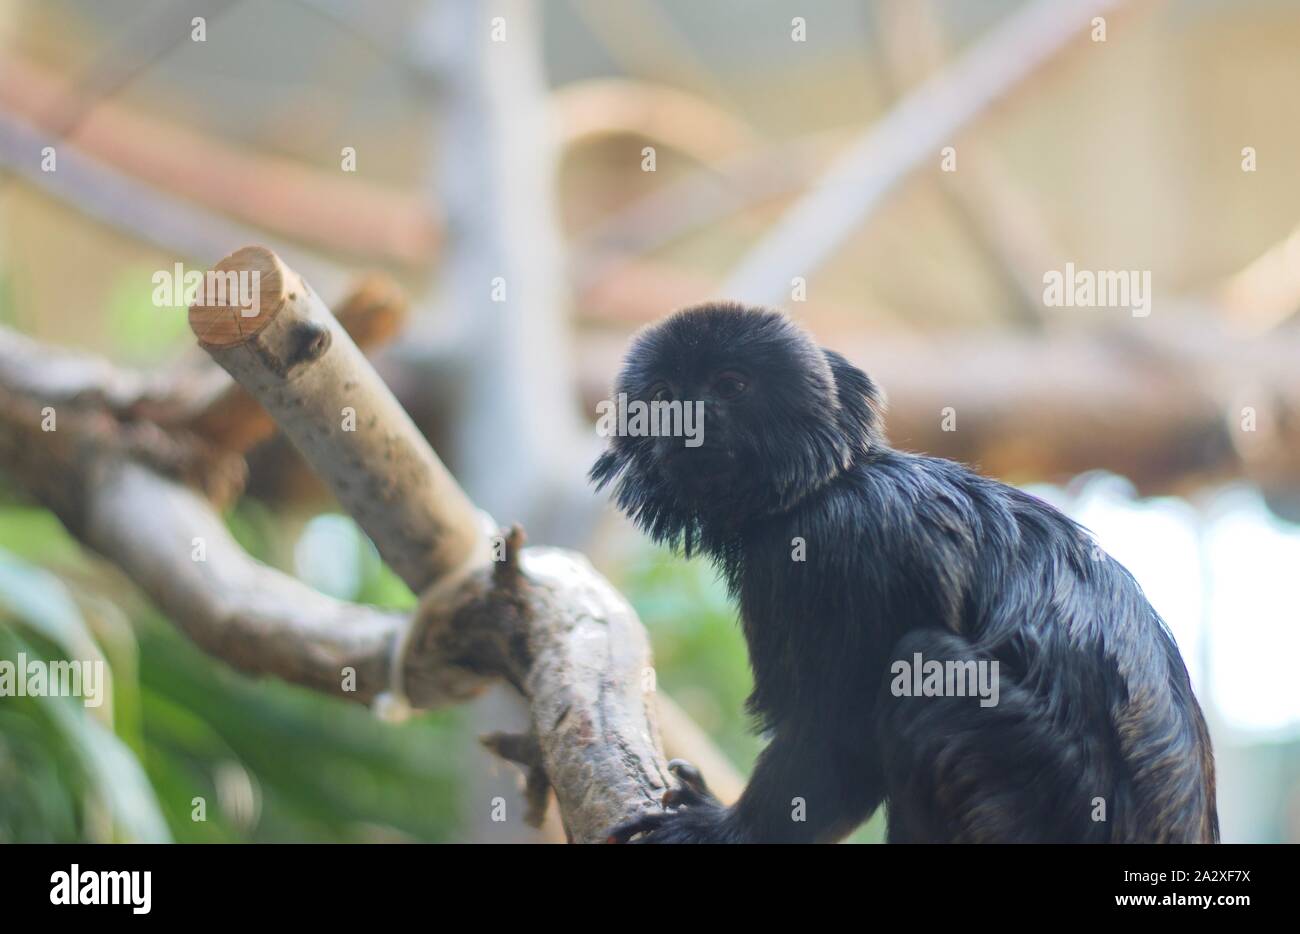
x,y
542,619
558,632
170,543
97,190
225,414
299,363
57,376
101,478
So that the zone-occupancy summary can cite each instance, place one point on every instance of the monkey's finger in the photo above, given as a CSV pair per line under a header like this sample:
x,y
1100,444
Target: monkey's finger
x,y
643,823
694,788
685,797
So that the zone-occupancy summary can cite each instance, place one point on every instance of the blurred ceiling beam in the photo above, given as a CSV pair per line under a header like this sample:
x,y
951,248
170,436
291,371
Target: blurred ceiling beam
x,y
1265,293
1000,219
635,290
740,182
124,203
156,29
1165,403
909,136
331,210
587,111
286,197
643,40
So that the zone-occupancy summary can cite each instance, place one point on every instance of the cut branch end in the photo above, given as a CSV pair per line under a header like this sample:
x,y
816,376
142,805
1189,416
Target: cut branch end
x,y
240,296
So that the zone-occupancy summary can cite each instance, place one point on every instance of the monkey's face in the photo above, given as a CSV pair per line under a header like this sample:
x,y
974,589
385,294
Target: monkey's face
x,y
740,417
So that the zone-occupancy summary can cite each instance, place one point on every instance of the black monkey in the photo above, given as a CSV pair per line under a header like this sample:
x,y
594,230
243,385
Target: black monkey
x,y
1095,735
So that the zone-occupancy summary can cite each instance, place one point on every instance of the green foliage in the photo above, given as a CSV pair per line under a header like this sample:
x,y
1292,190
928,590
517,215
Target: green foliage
x,y
318,769
142,332
336,557
269,761
46,625
41,785
265,761
38,536
700,655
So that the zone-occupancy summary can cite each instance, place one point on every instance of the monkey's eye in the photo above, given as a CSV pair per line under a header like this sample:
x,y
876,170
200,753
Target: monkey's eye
x,y
730,384
662,393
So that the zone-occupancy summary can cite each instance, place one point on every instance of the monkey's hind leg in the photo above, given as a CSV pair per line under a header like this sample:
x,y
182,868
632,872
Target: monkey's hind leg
x,y
957,771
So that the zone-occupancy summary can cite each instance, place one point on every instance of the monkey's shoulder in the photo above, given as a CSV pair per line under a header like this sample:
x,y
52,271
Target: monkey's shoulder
x,y
908,508
890,539
903,532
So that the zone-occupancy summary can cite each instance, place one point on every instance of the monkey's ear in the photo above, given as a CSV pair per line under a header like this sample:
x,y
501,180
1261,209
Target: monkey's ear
x,y
861,414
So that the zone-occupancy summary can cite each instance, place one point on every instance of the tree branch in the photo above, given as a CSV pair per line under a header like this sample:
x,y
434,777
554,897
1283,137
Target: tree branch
x,y
299,363
543,619
174,547
102,478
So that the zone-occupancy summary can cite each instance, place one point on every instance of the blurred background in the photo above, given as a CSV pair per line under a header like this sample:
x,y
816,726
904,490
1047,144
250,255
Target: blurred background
x,y
542,178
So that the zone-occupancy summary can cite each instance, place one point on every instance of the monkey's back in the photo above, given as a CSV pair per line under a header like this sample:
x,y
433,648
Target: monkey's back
x,y
1096,735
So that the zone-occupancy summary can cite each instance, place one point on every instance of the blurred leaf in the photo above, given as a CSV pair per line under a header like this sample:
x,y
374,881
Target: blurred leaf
x,y
116,638
37,535
40,791
700,654
116,773
309,768
41,601
141,331
334,556
107,765
327,770
384,588
254,527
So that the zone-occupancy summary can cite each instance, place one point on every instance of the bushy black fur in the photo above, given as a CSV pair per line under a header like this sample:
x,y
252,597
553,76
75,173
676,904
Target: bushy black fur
x,y
904,554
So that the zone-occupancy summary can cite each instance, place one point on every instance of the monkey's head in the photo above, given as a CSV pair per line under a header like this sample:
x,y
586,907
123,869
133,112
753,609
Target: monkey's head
x,y
760,417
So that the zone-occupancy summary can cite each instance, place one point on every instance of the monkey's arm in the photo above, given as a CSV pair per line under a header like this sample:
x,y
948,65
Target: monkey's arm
x,y
804,790
807,788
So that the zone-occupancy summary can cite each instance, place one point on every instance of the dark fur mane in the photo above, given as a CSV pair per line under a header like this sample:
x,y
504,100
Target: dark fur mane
x,y
804,449
906,555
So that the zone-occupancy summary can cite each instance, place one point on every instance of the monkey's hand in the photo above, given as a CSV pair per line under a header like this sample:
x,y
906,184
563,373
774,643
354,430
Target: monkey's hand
x,y
692,815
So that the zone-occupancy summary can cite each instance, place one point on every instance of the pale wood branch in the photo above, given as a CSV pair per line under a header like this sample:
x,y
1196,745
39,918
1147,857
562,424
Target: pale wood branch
x,y
299,363
542,619
103,478
168,540
913,131
222,411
